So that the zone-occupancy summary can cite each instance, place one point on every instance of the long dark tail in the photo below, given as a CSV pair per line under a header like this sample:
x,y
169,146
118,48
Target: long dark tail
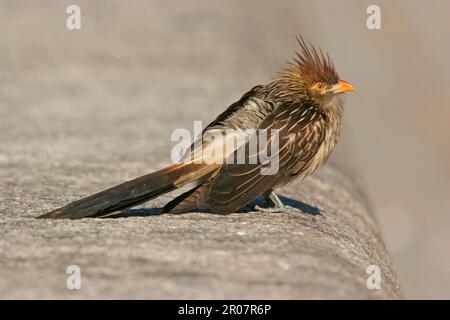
x,y
125,195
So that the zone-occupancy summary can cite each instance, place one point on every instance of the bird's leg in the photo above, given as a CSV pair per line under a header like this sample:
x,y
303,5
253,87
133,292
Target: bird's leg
x,y
276,205
273,200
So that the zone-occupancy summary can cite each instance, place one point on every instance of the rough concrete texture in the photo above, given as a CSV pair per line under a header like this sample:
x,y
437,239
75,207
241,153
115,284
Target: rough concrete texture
x,y
84,110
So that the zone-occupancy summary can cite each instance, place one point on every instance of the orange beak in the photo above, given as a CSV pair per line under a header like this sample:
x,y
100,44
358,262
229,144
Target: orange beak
x,y
343,86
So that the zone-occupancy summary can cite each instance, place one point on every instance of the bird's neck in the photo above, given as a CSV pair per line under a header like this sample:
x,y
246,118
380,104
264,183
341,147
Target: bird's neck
x,y
334,109
333,112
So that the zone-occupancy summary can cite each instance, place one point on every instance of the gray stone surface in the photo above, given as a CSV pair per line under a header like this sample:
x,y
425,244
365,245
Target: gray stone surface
x,y
84,110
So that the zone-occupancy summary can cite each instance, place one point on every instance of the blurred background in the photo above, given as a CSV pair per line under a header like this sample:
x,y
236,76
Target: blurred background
x,y
396,124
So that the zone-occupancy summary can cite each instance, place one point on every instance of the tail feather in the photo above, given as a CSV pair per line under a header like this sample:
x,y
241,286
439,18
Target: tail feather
x,y
174,203
190,200
125,195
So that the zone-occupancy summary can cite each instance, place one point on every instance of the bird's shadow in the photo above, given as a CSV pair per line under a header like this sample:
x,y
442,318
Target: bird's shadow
x,y
304,207
144,212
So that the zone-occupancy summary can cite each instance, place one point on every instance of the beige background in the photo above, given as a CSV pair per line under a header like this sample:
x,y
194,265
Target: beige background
x,y
397,121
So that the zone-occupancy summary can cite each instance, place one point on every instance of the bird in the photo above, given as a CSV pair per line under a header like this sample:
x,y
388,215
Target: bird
x,y
303,103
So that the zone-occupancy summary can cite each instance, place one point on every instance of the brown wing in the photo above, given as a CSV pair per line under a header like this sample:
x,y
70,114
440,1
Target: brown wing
x,y
301,130
247,113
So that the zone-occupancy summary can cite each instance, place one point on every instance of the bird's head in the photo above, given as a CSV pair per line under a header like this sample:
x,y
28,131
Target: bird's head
x,y
312,75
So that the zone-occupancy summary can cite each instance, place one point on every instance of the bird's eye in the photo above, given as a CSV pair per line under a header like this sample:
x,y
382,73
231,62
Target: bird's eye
x,y
320,86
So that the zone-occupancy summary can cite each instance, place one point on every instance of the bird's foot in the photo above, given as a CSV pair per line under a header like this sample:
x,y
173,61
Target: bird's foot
x,y
286,209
